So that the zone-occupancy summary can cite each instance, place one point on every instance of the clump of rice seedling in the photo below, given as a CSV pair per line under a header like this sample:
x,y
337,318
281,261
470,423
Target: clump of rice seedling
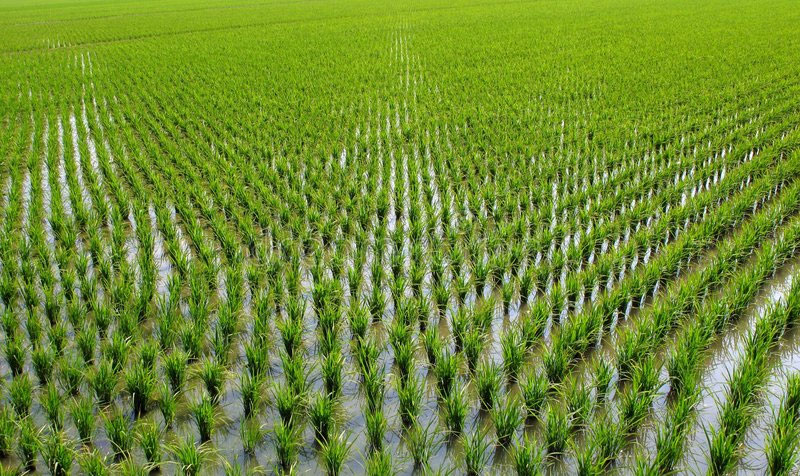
x,y
555,364
534,389
251,390
432,343
474,342
446,372
205,418
7,431
513,351
213,375
190,456
287,444
379,463
527,457
506,418
321,415
257,355
488,380
334,453
476,456
82,413
251,434
140,383
167,404
43,360
130,467
52,406
93,463
71,375
409,395
28,444
287,402
86,341
556,431
119,433
358,318
508,290
374,387
421,442
296,373
606,440
103,382
332,367
20,392
454,410
149,436
579,404
57,454
175,364
376,424
602,373
404,358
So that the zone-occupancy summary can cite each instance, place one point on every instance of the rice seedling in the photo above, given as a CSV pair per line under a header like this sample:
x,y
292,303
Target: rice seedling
x,y
93,463
130,467
286,439
57,454
251,434
488,380
781,445
454,410
28,444
213,375
205,418
20,393
556,431
321,414
527,457
421,442
119,433
190,456
103,382
446,371
7,431
149,437
379,463
476,456
376,425
140,384
287,402
506,418
175,366
534,390
167,404
579,404
409,396
51,402
602,373
334,452
251,390
82,415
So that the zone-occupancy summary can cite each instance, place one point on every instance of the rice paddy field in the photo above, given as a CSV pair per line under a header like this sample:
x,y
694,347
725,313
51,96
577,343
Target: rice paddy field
x,y
399,237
